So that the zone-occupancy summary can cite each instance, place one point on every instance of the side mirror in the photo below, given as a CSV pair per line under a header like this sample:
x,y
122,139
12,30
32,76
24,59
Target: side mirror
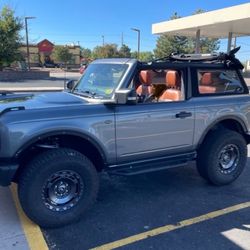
x,y
70,84
126,96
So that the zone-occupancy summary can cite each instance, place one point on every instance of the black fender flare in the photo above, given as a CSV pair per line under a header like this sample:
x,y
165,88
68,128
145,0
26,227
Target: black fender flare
x,y
219,120
86,137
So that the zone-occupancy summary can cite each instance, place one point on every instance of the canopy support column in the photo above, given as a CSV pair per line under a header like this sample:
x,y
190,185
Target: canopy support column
x,y
229,41
197,41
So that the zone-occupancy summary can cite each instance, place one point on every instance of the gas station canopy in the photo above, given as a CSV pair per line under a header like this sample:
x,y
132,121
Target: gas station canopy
x,y
216,24
220,23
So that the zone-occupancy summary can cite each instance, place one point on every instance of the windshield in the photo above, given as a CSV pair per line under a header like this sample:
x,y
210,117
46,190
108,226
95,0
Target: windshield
x,y
100,80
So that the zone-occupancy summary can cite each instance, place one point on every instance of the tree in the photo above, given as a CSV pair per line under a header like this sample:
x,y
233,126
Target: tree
x,y
125,51
62,54
98,52
10,39
106,51
86,53
146,56
134,54
166,44
208,45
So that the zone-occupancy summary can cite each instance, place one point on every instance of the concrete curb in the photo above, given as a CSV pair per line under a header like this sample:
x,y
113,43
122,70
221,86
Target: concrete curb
x,y
12,235
32,232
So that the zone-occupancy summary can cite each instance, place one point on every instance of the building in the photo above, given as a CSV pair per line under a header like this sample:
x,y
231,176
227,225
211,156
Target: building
x,y
44,51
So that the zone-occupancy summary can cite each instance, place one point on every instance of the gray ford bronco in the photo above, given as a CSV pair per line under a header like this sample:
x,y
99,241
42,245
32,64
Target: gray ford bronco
x,y
124,117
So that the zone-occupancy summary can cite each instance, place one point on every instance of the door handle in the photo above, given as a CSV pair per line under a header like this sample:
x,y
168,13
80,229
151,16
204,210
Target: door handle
x,y
183,114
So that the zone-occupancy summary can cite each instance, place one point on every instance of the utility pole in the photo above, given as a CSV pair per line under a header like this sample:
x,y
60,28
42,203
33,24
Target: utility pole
x,y
138,40
27,39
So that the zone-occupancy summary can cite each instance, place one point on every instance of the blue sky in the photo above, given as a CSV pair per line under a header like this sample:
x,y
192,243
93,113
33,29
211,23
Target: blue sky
x,y
85,22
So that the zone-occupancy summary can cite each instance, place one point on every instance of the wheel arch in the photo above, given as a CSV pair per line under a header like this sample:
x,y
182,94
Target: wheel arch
x,y
81,142
229,122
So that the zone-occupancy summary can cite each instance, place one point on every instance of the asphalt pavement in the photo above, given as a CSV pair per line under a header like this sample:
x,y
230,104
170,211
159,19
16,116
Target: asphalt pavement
x,y
56,82
172,209
133,206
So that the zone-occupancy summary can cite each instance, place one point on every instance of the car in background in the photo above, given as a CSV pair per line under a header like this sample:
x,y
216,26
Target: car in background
x,y
51,65
84,64
82,69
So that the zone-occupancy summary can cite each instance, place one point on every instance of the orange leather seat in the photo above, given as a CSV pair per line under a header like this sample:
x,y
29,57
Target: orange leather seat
x,y
145,88
173,83
205,86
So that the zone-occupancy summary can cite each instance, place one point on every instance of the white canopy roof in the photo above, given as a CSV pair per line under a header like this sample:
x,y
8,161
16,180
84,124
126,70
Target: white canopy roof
x,y
214,24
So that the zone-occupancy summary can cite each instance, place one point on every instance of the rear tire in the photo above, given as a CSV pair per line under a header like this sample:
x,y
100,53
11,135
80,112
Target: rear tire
x,y
57,187
222,157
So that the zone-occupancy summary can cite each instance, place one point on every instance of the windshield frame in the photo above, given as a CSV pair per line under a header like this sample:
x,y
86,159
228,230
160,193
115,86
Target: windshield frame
x,y
90,94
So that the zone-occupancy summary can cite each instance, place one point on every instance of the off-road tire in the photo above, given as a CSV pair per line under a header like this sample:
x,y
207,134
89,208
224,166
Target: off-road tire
x,y
210,155
35,176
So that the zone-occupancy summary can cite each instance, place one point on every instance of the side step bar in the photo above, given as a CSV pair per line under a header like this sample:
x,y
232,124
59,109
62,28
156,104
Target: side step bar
x,y
140,167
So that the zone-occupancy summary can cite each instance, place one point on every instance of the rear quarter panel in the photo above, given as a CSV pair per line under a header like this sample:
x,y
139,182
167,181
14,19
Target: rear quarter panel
x,y
210,110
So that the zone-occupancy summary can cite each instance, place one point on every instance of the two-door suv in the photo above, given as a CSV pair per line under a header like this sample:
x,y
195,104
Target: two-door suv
x,y
125,117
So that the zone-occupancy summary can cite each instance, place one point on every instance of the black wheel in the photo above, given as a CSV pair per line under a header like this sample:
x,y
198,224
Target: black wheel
x,y
222,157
57,187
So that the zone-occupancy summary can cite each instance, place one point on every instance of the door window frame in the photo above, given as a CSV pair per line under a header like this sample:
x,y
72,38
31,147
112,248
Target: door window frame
x,y
161,66
195,82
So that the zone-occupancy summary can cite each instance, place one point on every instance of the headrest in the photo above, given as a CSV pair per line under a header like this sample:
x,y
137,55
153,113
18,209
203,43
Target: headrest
x,y
173,79
206,79
146,77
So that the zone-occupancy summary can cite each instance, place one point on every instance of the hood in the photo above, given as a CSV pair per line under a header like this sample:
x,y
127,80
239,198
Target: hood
x,y
38,101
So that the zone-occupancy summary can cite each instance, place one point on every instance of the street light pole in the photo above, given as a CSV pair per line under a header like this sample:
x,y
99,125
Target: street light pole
x,y
27,39
139,41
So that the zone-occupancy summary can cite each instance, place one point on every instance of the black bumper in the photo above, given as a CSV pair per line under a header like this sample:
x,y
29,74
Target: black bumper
x,y
7,172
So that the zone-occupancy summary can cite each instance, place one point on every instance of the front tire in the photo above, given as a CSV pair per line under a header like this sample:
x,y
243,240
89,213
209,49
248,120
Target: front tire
x,y
57,187
222,157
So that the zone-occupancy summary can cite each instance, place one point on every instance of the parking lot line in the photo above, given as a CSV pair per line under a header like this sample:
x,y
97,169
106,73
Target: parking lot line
x,y
32,231
172,227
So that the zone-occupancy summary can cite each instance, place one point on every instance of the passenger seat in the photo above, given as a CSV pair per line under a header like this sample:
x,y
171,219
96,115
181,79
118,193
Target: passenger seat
x,y
173,83
205,86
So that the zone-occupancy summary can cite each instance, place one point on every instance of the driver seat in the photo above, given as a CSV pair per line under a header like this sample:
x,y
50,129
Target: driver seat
x,y
145,89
